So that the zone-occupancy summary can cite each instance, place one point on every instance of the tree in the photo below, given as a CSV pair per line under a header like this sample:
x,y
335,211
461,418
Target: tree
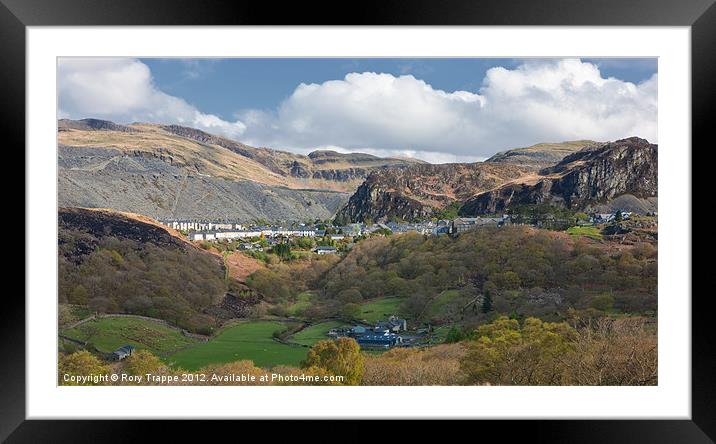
x,y
142,362
507,353
603,302
507,280
614,352
341,357
304,243
78,295
282,250
64,315
438,365
450,212
350,310
350,295
81,363
100,304
455,334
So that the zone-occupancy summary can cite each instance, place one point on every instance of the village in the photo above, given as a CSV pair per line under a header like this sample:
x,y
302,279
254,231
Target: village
x,y
213,231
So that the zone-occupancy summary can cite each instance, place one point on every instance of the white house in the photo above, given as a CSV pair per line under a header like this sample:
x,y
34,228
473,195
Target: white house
x,y
326,250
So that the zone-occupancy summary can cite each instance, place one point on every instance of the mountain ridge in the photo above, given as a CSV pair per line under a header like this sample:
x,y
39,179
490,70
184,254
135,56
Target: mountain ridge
x,y
177,172
588,178
170,171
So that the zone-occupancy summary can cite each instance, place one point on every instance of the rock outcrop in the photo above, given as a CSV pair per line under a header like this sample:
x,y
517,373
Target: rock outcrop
x,y
419,191
594,175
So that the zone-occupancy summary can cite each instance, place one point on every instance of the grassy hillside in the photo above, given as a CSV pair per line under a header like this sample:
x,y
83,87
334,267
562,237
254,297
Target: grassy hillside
x,y
113,263
247,340
108,334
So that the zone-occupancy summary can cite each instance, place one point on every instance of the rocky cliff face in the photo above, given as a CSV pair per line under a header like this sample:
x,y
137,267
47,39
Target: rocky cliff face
x,y
418,191
594,175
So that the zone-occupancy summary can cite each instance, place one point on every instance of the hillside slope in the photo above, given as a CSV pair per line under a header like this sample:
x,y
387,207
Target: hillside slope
x,y
181,173
321,168
123,263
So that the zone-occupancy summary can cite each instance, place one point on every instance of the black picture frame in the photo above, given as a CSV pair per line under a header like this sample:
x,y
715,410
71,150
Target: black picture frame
x,y
16,15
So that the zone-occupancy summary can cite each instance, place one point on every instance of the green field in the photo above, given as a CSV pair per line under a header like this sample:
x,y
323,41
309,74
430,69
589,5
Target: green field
x,y
587,231
108,334
247,340
314,333
379,309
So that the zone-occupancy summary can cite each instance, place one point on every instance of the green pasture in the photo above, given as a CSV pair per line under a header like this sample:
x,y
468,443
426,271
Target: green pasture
x,y
108,334
379,309
314,333
247,340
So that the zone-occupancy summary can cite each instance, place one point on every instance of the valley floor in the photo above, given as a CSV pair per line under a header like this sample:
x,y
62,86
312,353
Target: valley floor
x,y
604,307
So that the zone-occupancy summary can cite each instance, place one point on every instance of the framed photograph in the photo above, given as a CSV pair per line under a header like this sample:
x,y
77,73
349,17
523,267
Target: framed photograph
x,y
442,211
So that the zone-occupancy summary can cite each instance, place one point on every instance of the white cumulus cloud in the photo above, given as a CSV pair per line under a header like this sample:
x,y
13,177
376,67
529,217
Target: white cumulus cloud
x,y
565,100
383,114
122,90
536,102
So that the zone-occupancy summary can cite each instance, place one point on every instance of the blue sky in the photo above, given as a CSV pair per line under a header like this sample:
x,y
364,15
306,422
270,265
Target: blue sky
x,y
225,86
439,110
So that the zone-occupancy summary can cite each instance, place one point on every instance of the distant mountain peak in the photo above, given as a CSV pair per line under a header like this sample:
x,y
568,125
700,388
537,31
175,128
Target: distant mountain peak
x,y
540,155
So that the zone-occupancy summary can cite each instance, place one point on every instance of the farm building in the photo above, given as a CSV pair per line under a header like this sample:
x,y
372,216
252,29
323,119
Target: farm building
x,y
122,352
358,330
377,339
393,324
